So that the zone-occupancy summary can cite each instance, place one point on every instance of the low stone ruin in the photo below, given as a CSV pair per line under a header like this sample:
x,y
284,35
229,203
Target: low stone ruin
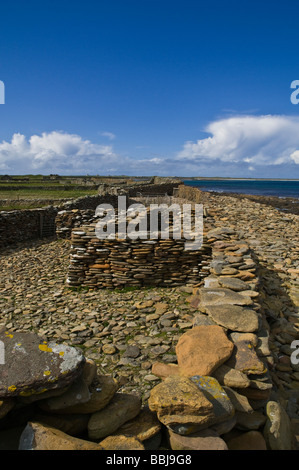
x,y
222,393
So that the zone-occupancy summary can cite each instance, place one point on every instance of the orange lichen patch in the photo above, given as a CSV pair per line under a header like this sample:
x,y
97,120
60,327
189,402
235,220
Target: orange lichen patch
x,y
12,388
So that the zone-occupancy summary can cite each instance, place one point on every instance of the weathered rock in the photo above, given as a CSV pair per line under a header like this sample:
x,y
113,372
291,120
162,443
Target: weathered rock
x,y
222,296
250,421
122,408
89,371
222,406
251,440
224,427
143,427
211,282
43,396
206,439
262,348
163,370
255,393
132,351
245,359
41,437
239,402
202,349
34,366
232,283
121,443
233,317
179,403
72,424
239,336
100,394
231,377
161,307
109,349
78,393
278,430
202,319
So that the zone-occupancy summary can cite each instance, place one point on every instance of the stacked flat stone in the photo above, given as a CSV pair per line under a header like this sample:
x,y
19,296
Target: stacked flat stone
x,y
224,358
66,220
114,263
50,395
220,395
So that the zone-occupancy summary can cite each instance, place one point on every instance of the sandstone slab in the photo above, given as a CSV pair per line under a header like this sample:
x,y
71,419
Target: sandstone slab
x,y
178,403
121,443
145,426
37,436
100,393
222,296
232,283
202,349
207,439
245,359
78,393
33,366
231,377
122,408
234,317
223,409
163,370
72,424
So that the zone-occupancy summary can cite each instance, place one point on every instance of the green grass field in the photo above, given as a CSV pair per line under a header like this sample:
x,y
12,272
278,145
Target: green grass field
x,y
26,192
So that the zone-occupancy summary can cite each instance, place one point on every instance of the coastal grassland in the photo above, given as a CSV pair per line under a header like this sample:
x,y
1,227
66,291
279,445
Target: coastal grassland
x,y
33,191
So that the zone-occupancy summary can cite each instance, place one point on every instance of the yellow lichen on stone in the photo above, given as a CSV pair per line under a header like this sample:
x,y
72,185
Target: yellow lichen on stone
x,y
28,393
9,335
45,348
12,388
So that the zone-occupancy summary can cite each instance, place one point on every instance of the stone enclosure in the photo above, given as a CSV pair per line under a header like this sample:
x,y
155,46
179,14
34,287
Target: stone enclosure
x,y
222,391
218,395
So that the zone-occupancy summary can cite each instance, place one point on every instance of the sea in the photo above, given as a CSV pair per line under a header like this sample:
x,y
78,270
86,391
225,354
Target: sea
x,y
277,188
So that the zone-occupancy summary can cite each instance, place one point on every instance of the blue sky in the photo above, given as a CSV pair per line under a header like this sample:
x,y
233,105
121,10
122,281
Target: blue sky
x,y
180,88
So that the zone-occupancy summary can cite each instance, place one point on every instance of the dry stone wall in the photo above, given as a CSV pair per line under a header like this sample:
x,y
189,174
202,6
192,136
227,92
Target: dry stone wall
x,y
122,263
18,226
189,193
222,393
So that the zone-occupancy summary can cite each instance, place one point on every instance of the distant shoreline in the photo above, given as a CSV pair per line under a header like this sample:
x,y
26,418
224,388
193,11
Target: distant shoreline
x,y
216,178
285,204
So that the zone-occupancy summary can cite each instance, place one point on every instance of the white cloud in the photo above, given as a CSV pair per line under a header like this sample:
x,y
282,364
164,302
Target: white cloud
x,y
54,151
295,156
255,140
262,146
109,135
